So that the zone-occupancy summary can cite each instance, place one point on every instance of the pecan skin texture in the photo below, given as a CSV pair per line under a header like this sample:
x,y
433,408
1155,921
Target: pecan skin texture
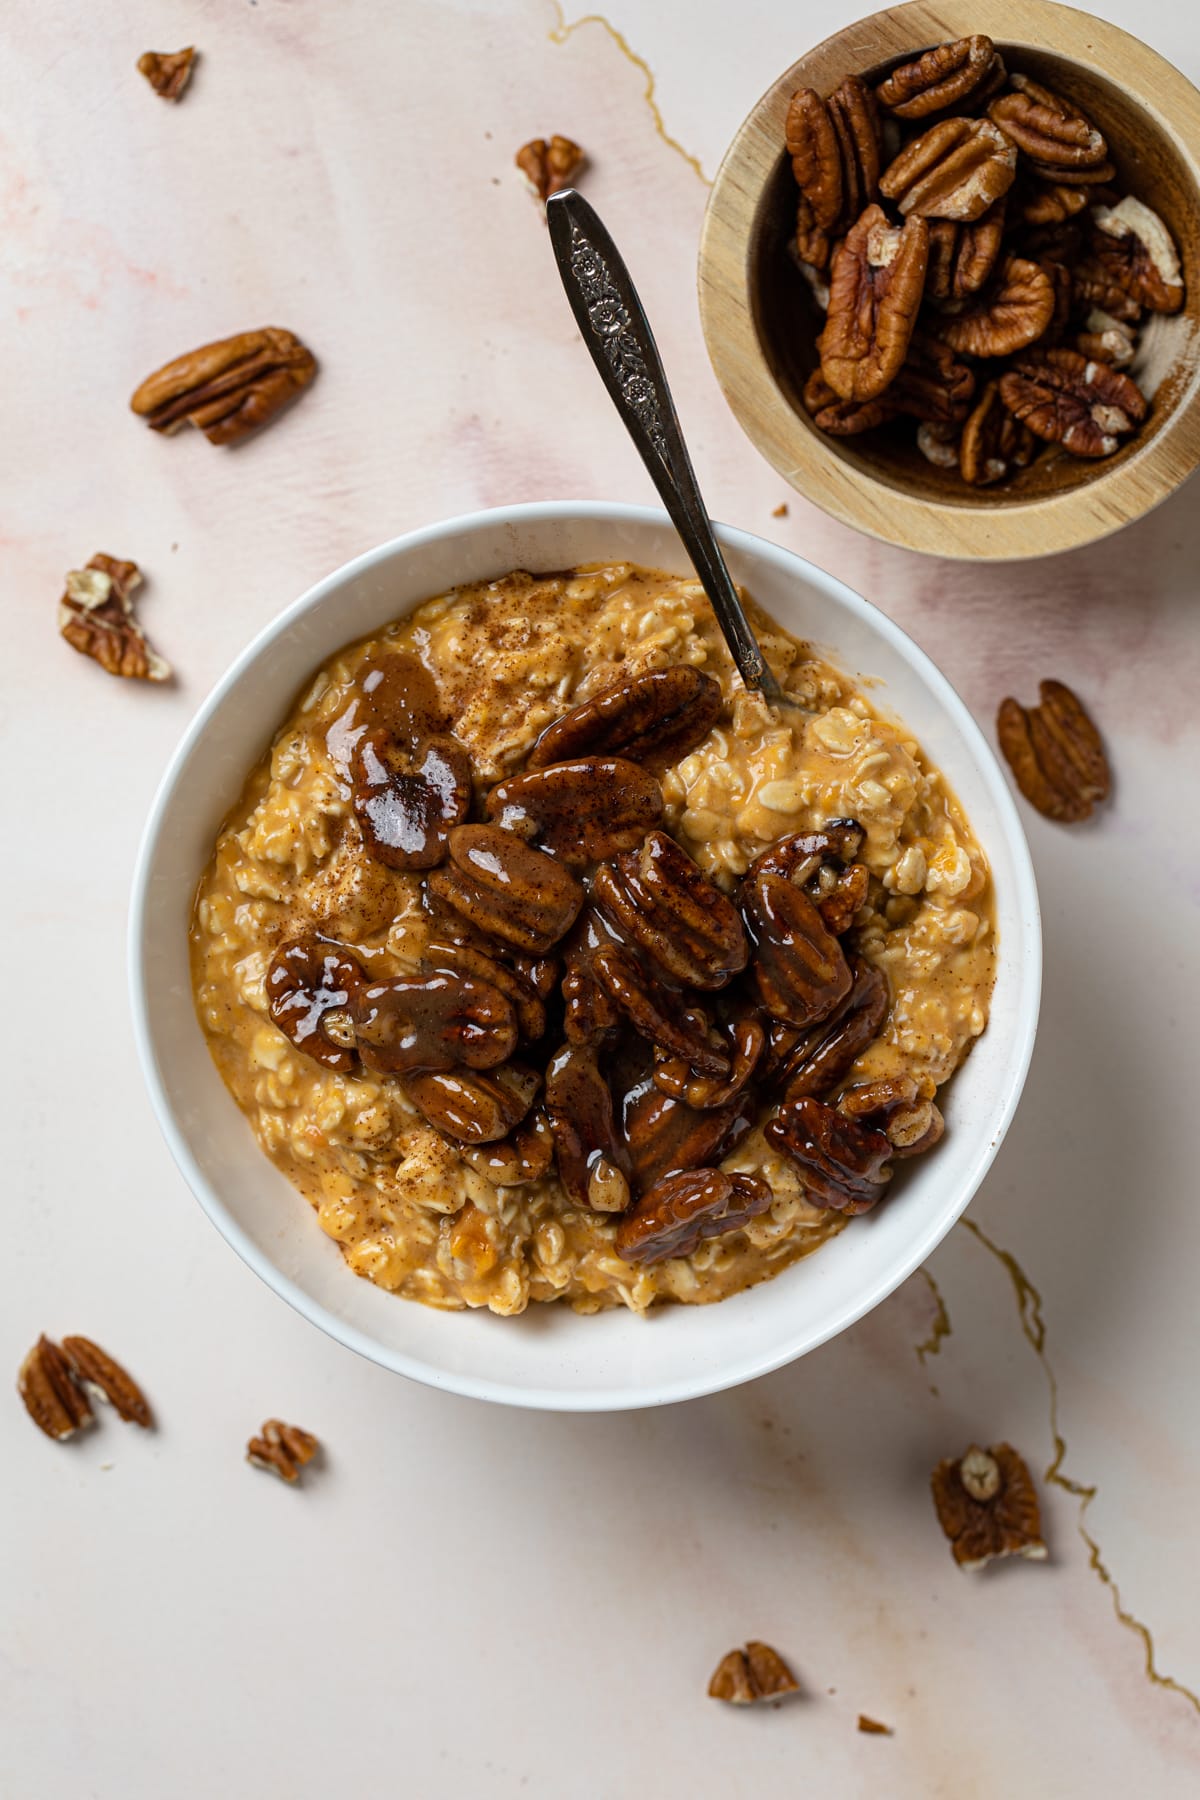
x,y
1055,753
1135,251
875,291
580,811
230,388
653,719
681,1210
987,1506
933,385
834,147
282,1450
407,801
666,1135
993,443
549,165
756,1673
666,907
954,74
1087,407
1054,134
307,980
52,1397
845,1165
440,1022
473,1106
963,253
1015,312
657,1014
101,1373
821,1058
506,888
95,616
799,968
676,1076
167,71
955,170
586,1140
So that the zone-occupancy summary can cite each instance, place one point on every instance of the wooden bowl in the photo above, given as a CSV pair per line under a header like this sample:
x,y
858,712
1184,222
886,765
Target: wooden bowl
x,y
760,322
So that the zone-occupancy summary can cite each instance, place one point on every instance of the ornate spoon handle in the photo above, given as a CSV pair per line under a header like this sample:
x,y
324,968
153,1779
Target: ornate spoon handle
x,y
617,333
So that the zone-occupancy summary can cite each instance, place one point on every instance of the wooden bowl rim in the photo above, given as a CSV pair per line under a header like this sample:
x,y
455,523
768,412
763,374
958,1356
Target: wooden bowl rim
x,y
1047,523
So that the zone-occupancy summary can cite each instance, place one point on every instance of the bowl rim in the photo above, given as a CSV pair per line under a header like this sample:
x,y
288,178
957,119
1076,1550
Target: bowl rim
x,y
1046,523
750,1366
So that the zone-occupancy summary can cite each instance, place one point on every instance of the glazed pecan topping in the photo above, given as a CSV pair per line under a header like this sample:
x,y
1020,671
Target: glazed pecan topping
x,y
901,1106
1013,312
524,984
652,719
311,987
581,811
799,968
874,294
282,1449
525,1155
53,1398
962,254
1055,753
666,1135
681,1210
167,71
1087,407
955,74
1053,133
439,1022
813,1062
406,800
473,1106
676,1076
95,615
657,1013
1137,254
663,904
755,1673
593,1163
227,389
845,1165
549,165
844,418
507,888
987,1506
590,1014
955,170
104,1378
818,862
993,442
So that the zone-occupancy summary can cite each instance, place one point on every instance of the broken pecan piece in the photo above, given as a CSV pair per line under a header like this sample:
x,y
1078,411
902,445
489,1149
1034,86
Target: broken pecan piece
x,y
580,811
282,1449
1055,753
1013,312
167,71
902,1107
659,900
549,165
95,615
230,388
53,1398
1137,253
799,968
657,1013
955,170
507,888
666,1135
987,1506
473,1106
681,1210
593,1164
407,800
311,986
102,1376
1087,407
653,719
1053,133
875,291
523,1156
405,1025
755,1673
845,1165
955,74
993,443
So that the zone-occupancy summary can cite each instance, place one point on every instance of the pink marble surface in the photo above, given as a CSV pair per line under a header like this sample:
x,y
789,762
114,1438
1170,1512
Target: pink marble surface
x,y
468,1600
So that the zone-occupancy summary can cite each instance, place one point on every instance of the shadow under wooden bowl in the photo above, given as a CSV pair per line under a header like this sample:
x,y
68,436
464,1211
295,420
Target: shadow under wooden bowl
x,y
760,320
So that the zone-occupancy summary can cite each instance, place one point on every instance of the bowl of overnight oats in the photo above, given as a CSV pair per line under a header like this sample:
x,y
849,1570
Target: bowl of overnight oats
x,y
548,1016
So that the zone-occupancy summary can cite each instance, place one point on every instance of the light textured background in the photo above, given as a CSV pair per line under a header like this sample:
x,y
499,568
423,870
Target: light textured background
x,y
468,1600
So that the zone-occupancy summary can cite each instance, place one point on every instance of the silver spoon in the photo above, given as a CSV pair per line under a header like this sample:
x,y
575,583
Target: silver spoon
x,y
618,335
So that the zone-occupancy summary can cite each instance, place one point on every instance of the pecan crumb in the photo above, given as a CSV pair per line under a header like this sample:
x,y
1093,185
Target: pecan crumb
x,y
95,615
284,1449
987,1506
168,71
780,511
1055,753
755,1673
874,1726
549,166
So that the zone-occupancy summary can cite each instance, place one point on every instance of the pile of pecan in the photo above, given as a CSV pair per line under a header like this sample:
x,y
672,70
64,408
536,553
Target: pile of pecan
x,y
588,997
979,273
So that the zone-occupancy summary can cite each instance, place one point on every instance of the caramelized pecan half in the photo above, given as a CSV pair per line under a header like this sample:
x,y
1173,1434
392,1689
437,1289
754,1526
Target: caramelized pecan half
x,y
1013,312
817,1060
659,900
227,389
471,1106
956,74
955,170
506,888
993,443
656,1013
666,1135
311,986
1087,407
652,719
593,1163
581,811
799,968
524,984
845,1165
817,861
681,1210
525,1155
1055,753
902,1107
406,801
875,291
676,1076
1053,133
439,1022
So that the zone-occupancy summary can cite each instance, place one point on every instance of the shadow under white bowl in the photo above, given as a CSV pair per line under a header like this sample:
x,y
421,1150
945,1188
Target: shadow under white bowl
x,y
550,1356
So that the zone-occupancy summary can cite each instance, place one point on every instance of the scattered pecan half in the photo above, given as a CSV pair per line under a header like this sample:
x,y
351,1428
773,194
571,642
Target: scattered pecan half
x,y
167,71
656,1013
507,888
311,986
1055,753
662,903
666,1135
653,719
95,615
755,1673
408,1024
1053,133
1136,251
846,1166
473,1106
1013,312
1087,407
875,293
549,165
956,74
681,1210
53,1398
963,253
799,969
955,170
283,1449
993,443
593,1163
580,811
987,1506
104,1378
406,798
230,388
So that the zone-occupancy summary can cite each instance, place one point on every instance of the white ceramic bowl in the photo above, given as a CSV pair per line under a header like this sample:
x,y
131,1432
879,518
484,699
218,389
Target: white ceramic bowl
x,y
552,1357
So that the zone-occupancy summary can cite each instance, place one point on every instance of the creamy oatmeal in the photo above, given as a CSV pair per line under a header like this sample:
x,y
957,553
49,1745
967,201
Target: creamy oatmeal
x,y
390,1018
